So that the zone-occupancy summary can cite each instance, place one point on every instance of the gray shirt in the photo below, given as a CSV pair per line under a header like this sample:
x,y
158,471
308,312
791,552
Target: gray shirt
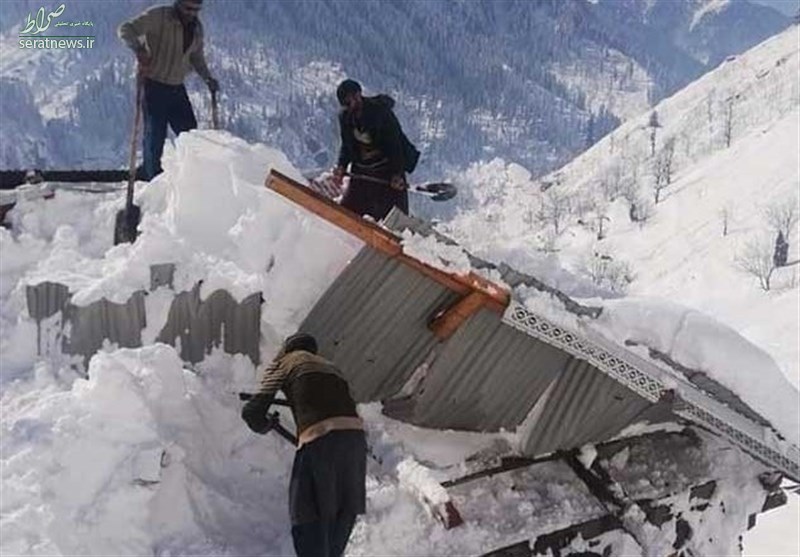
x,y
159,31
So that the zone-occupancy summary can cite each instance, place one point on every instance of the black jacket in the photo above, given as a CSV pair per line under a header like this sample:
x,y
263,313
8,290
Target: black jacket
x,y
379,121
314,387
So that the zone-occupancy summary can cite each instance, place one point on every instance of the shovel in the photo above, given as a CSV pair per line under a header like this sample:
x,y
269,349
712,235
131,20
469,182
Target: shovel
x,y
127,220
274,418
214,111
435,191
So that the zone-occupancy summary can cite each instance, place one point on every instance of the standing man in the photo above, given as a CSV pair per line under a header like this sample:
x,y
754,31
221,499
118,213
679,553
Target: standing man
x,y
168,43
327,490
374,143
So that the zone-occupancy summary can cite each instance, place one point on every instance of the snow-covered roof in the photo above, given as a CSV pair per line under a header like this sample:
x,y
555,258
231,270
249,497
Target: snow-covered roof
x,y
374,320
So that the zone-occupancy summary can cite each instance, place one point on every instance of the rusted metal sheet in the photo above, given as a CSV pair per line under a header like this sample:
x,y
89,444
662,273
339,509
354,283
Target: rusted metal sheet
x,y
200,325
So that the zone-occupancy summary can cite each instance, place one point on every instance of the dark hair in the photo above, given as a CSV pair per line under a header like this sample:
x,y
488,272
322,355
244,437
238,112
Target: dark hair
x,y
300,341
345,88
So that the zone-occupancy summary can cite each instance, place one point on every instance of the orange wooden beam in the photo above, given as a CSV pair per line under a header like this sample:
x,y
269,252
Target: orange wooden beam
x,y
492,296
448,322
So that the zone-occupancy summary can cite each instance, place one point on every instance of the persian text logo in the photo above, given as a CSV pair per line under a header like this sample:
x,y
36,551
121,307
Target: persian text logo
x,y
30,36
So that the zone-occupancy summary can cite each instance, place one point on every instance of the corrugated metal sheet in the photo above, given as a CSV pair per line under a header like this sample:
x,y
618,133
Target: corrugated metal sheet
x,y
92,325
373,322
487,376
200,325
586,406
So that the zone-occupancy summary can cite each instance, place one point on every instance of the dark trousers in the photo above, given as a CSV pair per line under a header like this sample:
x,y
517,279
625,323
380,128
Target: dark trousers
x,y
327,491
369,198
163,104
323,538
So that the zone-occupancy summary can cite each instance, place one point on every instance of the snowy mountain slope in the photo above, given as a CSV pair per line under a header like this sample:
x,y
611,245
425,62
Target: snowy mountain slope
x,y
680,252
147,455
467,74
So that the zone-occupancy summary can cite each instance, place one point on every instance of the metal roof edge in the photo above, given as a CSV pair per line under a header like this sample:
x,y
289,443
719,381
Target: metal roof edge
x,y
653,383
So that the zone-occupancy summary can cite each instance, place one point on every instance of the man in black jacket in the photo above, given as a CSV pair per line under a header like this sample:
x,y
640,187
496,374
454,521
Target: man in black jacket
x,y
374,143
327,490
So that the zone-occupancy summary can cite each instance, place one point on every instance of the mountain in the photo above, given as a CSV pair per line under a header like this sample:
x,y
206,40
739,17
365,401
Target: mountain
x,y
621,225
537,81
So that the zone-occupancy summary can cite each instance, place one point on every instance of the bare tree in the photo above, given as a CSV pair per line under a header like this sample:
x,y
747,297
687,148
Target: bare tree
x,y
611,182
554,209
782,215
756,260
601,215
728,129
662,168
607,272
654,125
725,214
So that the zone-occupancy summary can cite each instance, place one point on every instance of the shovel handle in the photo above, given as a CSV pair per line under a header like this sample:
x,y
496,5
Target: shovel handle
x,y
214,111
137,113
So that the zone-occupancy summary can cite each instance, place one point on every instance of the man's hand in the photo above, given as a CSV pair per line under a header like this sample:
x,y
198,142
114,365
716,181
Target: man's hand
x,y
255,416
338,176
398,182
213,85
143,61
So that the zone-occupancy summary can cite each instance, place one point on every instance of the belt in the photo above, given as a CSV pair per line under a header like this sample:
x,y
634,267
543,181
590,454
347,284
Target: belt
x,y
317,430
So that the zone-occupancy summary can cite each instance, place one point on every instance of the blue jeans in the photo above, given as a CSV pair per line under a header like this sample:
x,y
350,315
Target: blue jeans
x,y
323,538
163,104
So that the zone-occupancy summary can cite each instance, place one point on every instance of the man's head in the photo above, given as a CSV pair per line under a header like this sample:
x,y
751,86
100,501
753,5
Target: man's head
x,y
300,341
188,9
349,94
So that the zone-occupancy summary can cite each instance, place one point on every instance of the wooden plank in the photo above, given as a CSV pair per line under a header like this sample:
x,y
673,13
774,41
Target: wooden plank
x,y
448,322
345,219
496,297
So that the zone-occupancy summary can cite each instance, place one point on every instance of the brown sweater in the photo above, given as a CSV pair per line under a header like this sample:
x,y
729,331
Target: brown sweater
x,y
316,390
160,32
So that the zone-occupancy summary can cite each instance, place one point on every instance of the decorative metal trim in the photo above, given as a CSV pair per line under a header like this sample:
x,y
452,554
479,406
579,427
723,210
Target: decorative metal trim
x,y
618,363
521,318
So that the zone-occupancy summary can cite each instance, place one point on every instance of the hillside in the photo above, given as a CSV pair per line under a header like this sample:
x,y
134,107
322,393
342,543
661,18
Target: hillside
x,y
535,81
678,248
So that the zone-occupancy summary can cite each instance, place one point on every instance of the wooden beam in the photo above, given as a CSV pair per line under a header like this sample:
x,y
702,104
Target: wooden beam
x,y
496,297
369,232
448,322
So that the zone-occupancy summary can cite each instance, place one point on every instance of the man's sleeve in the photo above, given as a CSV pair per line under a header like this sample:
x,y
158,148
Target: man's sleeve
x,y
390,143
132,32
273,379
198,60
346,150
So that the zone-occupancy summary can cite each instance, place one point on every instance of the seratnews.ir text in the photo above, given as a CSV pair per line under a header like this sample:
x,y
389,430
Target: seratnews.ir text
x,y
56,42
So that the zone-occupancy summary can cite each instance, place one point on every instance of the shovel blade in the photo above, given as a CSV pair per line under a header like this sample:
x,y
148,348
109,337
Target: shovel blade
x,y
126,224
438,191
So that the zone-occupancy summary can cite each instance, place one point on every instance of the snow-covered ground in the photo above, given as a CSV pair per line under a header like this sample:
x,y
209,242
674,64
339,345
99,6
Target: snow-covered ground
x,y
706,218
146,455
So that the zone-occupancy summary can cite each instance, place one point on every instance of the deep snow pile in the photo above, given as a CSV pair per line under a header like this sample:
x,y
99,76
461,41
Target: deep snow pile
x,y
148,456
680,253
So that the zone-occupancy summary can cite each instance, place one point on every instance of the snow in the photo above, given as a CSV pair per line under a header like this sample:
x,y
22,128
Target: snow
x,y
143,455
703,344
707,7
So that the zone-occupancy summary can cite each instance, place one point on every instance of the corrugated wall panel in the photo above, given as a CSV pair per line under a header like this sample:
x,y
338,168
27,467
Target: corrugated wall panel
x,y
372,322
584,406
102,321
487,376
46,299
200,325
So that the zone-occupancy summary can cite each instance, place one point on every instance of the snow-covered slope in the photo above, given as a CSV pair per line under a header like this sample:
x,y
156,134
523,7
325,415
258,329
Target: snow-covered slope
x,y
147,455
467,83
707,217
685,247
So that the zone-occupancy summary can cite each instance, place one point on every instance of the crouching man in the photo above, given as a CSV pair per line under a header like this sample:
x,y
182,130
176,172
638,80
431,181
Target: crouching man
x,y
327,489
